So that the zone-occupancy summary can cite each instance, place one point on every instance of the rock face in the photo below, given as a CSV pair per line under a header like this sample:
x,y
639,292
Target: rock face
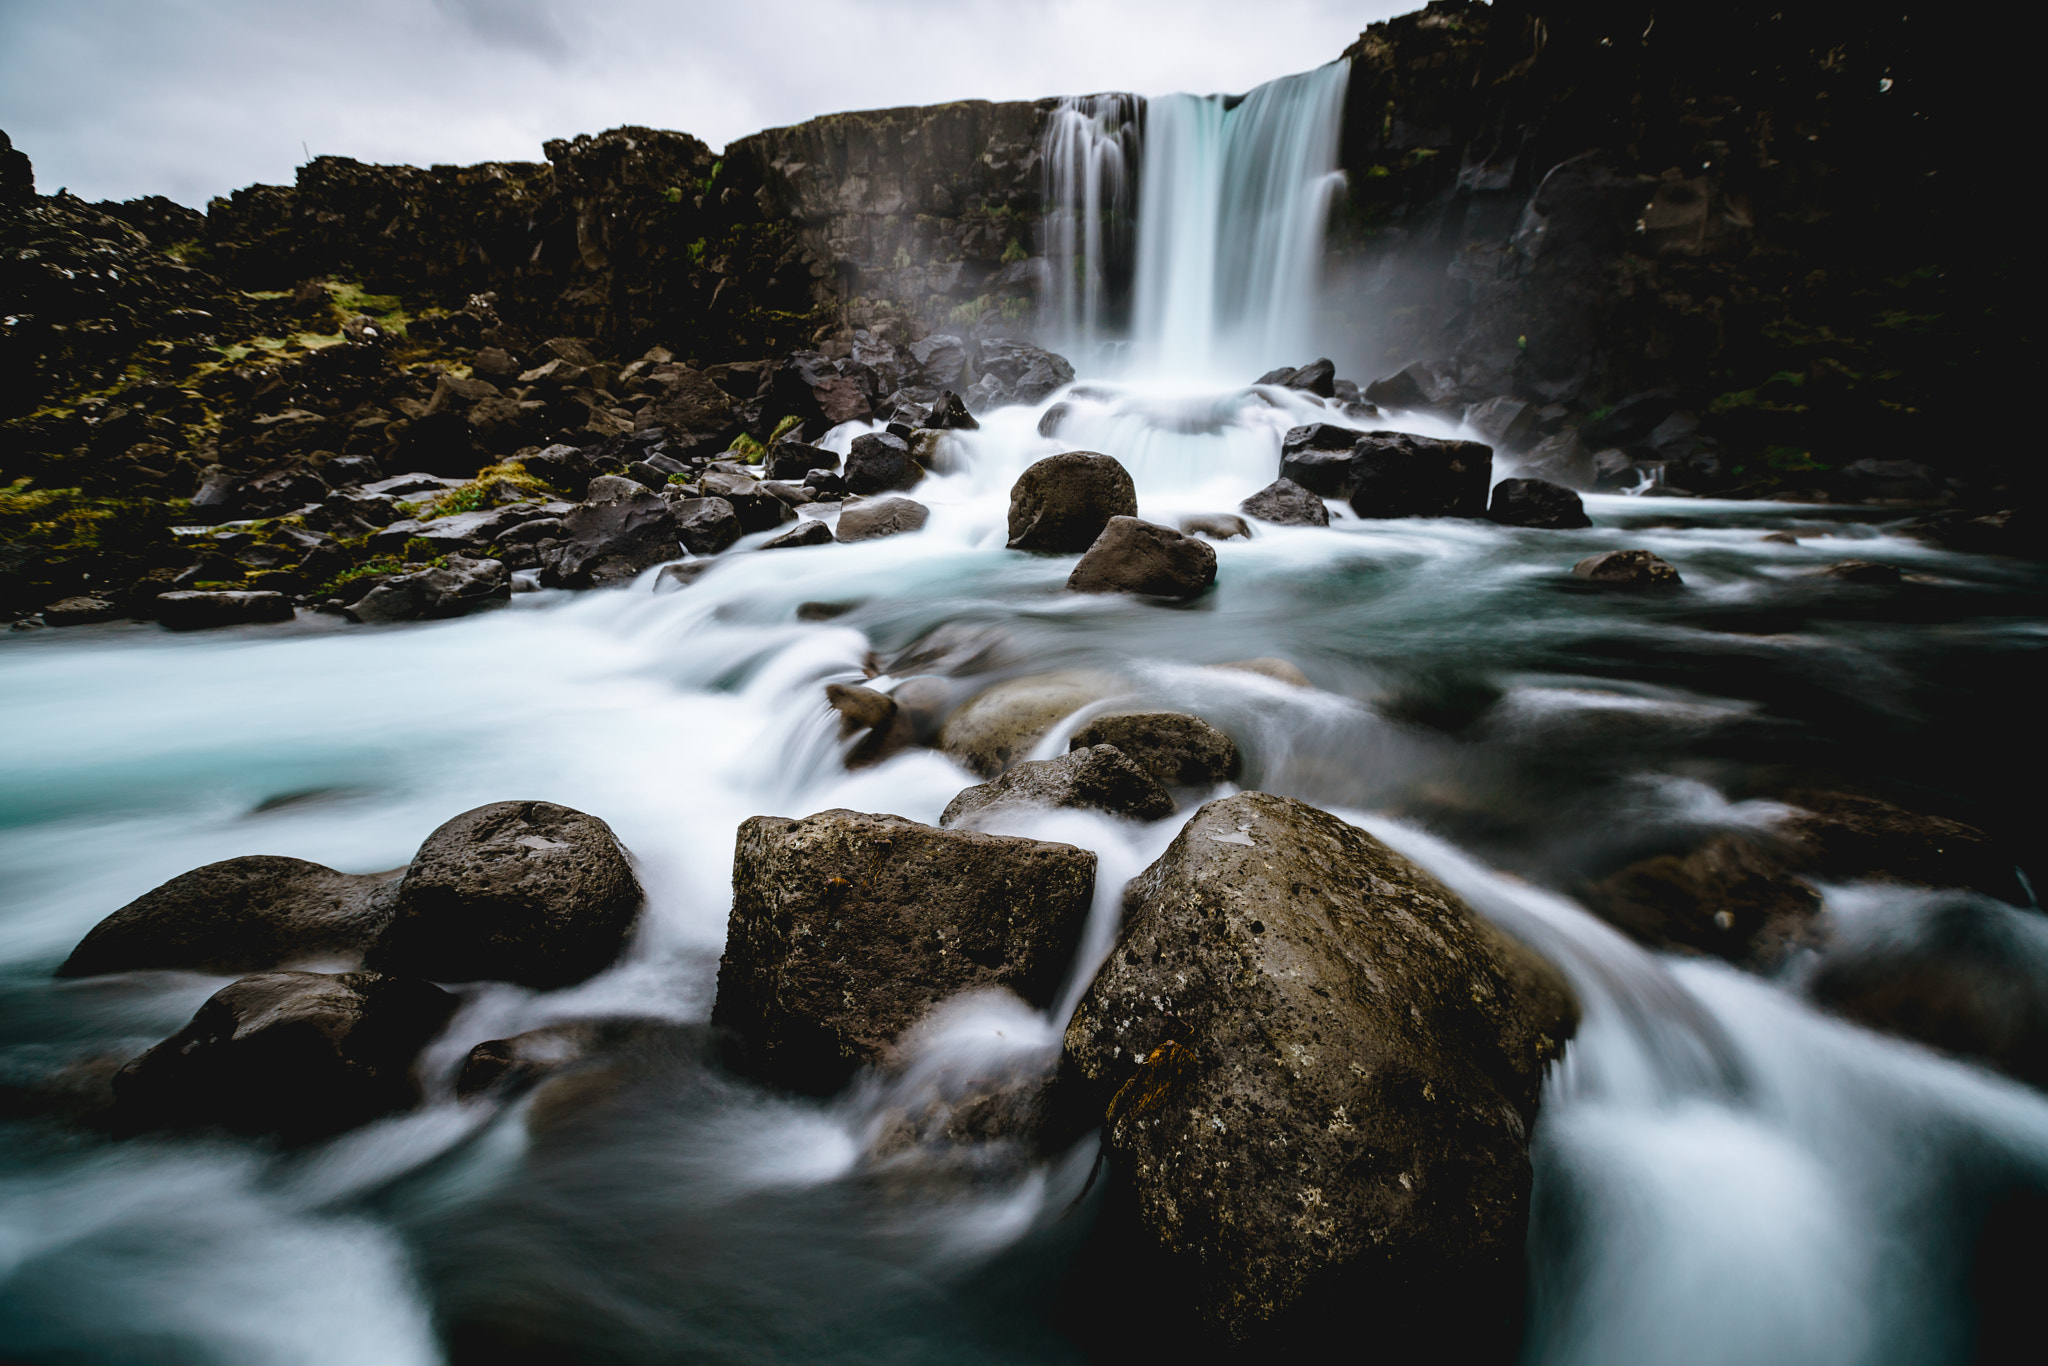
x,y
1316,1071
1131,556
1398,475
1628,569
1179,750
301,1055
195,611
998,726
617,532
1062,503
1286,503
239,915
880,462
847,929
873,518
525,892
462,586
1100,778
1536,503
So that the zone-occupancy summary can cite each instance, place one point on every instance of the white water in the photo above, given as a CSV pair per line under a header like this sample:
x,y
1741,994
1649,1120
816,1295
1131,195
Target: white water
x,y
1090,150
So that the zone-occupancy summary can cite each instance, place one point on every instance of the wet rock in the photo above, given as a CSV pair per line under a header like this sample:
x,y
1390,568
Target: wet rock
x,y
1318,458
2021,532
879,463
240,915
1733,897
847,929
1061,504
1217,526
674,577
1841,836
1177,749
756,507
1131,556
1627,569
1398,475
619,531
80,611
462,585
1316,1070
1286,503
1865,572
1010,372
810,531
1561,459
1266,666
869,519
793,460
1412,387
1536,503
1506,424
1097,778
525,892
514,1064
705,526
826,485
197,611
301,1055
953,648
998,726
949,414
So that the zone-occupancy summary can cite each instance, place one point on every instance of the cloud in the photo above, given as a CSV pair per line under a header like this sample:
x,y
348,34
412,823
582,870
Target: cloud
x,y
192,98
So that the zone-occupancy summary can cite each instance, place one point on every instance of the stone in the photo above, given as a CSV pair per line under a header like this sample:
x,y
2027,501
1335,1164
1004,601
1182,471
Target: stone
x,y
950,414
869,519
1177,749
1096,778
1217,526
1061,504
1318,377
1536,503
809,531
1414,386
1131,556
1286,503
675,577
299,1055
524,891
1844,837
1563,459
239,915
1865,572
879,463
1316,1072
509,1066
1730,897
794,460
461,586
1506,424
1266,666
80,611
197,611
755,506
999,725
1399,475
847,929
705,526
617,532
1628,569
826,485
1317,455
1027,374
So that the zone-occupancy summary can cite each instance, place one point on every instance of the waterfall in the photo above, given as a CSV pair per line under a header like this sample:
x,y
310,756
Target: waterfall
x,y
1090,150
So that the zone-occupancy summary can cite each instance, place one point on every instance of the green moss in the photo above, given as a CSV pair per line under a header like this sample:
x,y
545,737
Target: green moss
x,y
673,194
1013,253
784,427
747,449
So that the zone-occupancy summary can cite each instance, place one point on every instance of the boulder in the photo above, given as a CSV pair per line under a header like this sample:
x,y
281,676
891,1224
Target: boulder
x,y
301,1055
1316,1072
1061,504
463,585
794,460
869,519
1217,526
525,892
1318,377
239,915
810,531
1413,386
1627,569
614,534
705,526
847,929
1097,778
675,577
1867,573
1536,503
1177,749
1318,457
1286,503
1015,372
999,725
1506,424
196,610
1398,475
880,462
79,611
1131,556
1844,837
949,414
1562,459
825,485
1732,897
756,507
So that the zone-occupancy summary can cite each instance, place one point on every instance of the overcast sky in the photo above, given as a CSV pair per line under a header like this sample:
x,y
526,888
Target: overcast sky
x,y
191,98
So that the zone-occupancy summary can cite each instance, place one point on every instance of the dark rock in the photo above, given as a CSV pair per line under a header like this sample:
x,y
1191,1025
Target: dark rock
x,y
879,463
616,533
565,468
647,476
1012,372
1318,457
705,526
890,729
1506,424
1318,377
1630,420
2020,532
302,1055
1536,503
1052,419
1179,750
1061,504
757,509
823,611
1866,572
939,361
1564,459
793,460
79,611
1628,569
1843,837
950,414
1098,778
847,929
1316,1071
870,519
678,576
525,892
239,915
1217,526
195,611
463,585
1732,897
1131,556
1398,475
826,484
809,531
512,1065
1286,503
1412,387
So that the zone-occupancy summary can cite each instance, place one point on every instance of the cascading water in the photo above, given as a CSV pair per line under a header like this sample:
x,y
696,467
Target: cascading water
x,y
1090,151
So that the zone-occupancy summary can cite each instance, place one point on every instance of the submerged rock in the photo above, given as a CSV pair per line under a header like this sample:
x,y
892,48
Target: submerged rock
x,y
1097,778
513,1064
998,726
1131,556
1316,1071
197,610
1286,503
1217,526
1628,569
870,519
1061,504
1179,750
1536,503
847,929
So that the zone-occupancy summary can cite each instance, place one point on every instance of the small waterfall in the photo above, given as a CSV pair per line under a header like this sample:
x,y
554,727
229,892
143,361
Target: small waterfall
x,y
1090,151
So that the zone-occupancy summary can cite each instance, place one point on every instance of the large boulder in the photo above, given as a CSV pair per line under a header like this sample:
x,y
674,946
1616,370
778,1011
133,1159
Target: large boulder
x,y
620,530
705,526
462,585
525,892
240,915
1317,456
1316,1071
870,519
1098,778
1131,556
998,726
301,1055
1398,475
1536,503
1062,503
794,460
847,929
197,610
1014,372
1286,503
880,462
1179,750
